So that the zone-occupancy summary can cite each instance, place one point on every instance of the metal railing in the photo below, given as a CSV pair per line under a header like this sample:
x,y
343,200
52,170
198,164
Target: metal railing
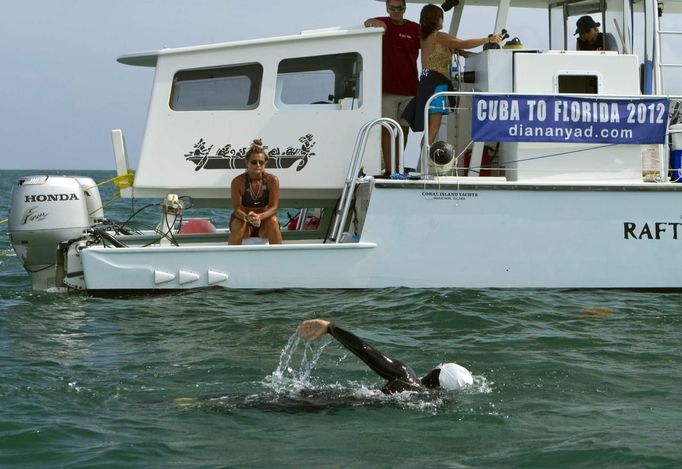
x,y
661,33
343,208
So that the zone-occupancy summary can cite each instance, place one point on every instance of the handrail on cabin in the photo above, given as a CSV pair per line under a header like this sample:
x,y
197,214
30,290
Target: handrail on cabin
x,y
358,151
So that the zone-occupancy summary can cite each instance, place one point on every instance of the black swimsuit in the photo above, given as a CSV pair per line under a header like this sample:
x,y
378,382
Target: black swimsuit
x,y
248,201
400,376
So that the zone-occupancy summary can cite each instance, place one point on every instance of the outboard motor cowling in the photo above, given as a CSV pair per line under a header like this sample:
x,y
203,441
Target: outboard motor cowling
x,y
44,211
93,201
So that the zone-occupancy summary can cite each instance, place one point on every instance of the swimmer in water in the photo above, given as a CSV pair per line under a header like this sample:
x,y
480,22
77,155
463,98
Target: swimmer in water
x,y
399,375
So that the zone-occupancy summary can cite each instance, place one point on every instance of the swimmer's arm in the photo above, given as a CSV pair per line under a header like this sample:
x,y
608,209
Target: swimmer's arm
x,y
384,366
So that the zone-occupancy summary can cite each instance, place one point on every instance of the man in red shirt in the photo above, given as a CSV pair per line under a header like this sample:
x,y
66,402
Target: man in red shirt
x,y
399,65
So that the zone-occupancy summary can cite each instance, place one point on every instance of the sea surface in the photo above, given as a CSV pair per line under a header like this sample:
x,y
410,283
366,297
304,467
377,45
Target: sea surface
x,y
217,378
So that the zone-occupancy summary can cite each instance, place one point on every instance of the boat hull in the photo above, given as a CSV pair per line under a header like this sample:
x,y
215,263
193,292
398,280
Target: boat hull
x,y
457,235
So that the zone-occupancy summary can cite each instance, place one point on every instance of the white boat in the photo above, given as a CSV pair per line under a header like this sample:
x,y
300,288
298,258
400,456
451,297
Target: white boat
x,y
535,206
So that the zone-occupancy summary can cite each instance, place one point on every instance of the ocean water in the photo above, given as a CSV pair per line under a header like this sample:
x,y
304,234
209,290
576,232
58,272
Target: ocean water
x,y
217,378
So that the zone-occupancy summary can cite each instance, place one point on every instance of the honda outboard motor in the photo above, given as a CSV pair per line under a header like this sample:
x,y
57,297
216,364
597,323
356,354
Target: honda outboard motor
x,y
44,211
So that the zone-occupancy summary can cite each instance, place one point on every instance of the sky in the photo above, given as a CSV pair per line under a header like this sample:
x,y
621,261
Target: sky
x,y
62,91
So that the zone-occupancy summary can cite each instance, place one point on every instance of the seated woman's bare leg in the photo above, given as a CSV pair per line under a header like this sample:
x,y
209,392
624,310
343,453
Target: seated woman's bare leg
x,y
269,228
239,229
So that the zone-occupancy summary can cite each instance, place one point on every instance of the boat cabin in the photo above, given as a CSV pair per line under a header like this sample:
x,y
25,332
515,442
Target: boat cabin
x,y
305,96
308,96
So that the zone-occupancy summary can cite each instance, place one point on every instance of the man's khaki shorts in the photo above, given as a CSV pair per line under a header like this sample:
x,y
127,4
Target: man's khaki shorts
x,y
393,105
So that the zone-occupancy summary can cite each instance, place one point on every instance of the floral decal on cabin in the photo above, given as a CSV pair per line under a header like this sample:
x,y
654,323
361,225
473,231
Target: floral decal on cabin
x,y
229,157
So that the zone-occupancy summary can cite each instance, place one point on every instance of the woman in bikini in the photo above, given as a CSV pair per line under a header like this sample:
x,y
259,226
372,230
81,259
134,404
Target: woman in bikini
x,y
255,198
437,48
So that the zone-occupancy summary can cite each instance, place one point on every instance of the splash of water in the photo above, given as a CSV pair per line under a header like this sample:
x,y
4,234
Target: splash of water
x,y
286,377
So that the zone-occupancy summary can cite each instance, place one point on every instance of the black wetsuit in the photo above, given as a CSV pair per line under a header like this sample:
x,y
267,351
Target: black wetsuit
x,y
400,376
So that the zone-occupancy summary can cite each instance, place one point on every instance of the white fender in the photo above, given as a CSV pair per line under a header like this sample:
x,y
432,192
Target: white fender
x,y
162,277
216,277
185,276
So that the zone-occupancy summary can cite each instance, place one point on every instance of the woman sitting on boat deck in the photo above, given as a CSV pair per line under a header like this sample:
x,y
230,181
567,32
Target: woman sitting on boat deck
x,y
255,198
437,48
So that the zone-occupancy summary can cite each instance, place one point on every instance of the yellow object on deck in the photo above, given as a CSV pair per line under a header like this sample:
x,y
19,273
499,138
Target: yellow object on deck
x,y
125,181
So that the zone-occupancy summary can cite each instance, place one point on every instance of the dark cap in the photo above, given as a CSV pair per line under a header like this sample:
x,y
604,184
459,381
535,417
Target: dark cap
x,y
585,23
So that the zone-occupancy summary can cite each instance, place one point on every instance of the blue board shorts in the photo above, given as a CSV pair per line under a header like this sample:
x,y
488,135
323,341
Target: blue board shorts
x,y
440,104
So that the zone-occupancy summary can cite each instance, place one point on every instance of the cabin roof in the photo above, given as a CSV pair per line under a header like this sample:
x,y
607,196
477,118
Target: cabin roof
x,y
491,3
149,58
669,5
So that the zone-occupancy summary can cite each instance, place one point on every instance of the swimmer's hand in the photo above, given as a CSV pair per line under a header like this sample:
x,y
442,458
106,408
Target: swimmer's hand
x,y
313,329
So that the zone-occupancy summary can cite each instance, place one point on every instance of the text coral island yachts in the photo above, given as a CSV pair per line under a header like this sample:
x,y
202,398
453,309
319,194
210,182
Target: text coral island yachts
x,y
560,175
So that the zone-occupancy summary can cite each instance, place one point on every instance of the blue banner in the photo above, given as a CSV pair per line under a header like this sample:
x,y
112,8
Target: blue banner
x,y
528,118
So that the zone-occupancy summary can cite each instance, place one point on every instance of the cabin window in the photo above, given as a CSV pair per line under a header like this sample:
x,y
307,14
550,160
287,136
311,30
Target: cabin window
x,y
578,84
324,81
230,88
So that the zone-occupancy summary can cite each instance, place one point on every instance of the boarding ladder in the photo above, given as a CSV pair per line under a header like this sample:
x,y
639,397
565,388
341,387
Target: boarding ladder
x,y
343,207
659,64
656,7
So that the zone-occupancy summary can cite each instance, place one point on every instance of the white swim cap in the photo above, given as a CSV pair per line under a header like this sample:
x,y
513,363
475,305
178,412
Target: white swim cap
x,y
454,376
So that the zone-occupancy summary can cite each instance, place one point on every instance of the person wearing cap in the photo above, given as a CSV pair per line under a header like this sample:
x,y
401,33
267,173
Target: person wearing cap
x,y
400,49
400,377
589,37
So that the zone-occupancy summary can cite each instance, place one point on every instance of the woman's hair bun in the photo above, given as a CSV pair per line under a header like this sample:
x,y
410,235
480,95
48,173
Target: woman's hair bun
x,y
256,147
